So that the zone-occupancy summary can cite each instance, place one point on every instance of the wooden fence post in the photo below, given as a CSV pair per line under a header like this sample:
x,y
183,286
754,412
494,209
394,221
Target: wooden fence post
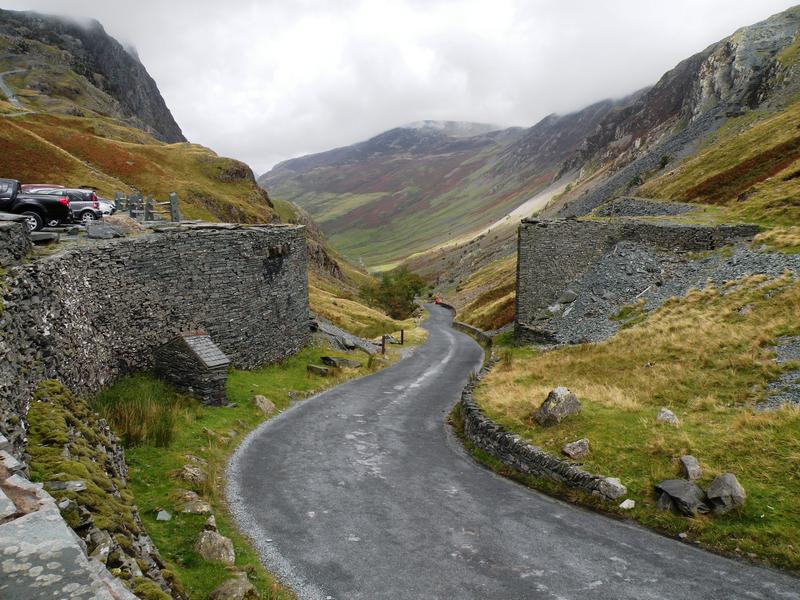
x,y
402,337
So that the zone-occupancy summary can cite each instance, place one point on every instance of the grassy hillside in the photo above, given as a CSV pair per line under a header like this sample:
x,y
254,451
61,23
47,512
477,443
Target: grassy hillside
x,y
709,362
751,166
105,153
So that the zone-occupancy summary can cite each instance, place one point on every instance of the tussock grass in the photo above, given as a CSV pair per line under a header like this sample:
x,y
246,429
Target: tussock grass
x,y
783,239
490,295
709,362
142,410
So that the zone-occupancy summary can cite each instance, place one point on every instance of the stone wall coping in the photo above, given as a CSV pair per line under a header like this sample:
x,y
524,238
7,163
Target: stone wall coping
x,y
663,223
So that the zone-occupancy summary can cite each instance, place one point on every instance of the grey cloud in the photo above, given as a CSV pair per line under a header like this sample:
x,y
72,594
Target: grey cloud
x,y
266,81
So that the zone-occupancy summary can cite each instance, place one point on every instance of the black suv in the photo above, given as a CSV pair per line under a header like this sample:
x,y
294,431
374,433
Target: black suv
x,y
37,210
83,203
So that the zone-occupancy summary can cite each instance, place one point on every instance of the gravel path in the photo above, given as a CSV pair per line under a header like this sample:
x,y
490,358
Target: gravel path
x,y
361,493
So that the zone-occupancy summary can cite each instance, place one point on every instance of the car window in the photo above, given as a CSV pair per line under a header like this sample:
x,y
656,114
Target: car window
x,y
5,187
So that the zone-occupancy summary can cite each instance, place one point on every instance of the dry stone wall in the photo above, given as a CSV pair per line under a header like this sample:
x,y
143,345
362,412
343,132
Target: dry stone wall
x,y
14,241
554,253
87,315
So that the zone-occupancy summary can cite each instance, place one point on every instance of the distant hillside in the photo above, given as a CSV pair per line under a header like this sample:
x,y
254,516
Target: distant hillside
x,y
84,111
415,187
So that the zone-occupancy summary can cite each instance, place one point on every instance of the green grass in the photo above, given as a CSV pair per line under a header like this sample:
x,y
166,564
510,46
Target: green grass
x,y
211,434
709,362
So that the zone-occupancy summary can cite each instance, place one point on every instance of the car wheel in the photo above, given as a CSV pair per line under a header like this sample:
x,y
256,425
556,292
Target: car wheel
x,y
87,216
33,220
54,223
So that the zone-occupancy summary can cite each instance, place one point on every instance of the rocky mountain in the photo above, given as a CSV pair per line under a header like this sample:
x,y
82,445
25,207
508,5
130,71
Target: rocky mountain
x,y
429,183
122,86
79,109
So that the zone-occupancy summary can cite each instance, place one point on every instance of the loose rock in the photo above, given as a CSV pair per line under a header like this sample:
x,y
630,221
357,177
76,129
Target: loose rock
x,y
667,416
192,474
235,589
577,449
726,493
691,468
560,403
210,524
264,405
318,370
681,496
612,488
163,515
628,504
215,547
340,363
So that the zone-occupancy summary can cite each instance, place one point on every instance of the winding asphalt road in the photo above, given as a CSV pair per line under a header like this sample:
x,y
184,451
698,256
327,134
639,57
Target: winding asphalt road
x,y
362,492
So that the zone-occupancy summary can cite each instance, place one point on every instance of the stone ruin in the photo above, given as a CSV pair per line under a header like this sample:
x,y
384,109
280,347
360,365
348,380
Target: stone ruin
x,y
574,276
193,364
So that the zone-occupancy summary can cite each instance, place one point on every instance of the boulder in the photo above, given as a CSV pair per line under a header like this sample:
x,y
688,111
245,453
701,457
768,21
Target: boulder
x,y
340,363
665,415
264,405
163,515
191,504
577,449
611,488
682,496
726,493
215,547
560,403
102,231
691,468
318,370
238,588
192,474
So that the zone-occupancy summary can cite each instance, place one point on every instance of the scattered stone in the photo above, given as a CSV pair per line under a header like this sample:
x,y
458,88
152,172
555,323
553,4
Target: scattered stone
x,y
340,363
7,507
163,515
567,297
612,488
318,370
691,468
11,464
66,486
682,496
683,535
196,459
264,405
238,588
103,545
98,230
577,449
215,547
726,493
628,504
210,524
560,403
192,474
665,415
71,512
191,504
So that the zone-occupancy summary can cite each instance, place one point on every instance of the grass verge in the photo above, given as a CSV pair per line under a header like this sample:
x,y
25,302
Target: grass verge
x,y
210,434
708,358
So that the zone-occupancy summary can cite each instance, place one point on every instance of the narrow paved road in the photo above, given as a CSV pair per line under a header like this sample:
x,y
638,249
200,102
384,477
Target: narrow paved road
x,y
361,492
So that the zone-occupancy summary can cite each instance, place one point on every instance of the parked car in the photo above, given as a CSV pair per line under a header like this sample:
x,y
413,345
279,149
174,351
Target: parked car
x,y
38,210
107,207
83,203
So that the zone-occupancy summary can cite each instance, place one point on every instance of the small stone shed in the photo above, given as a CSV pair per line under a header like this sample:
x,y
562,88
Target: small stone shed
x,y
193,364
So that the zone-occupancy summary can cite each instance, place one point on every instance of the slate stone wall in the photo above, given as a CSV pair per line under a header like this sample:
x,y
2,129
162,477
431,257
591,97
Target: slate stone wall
x,y
87,315
14,242
554,253
176,364
514,452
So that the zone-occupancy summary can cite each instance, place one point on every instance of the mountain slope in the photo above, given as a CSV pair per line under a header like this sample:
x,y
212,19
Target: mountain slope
x,y
415,187
86,112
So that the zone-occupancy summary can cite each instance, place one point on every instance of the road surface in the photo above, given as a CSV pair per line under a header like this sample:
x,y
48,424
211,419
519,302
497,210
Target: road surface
x,y
361,492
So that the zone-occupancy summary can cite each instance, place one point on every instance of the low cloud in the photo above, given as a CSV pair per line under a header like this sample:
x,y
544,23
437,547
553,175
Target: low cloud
x,y
264,82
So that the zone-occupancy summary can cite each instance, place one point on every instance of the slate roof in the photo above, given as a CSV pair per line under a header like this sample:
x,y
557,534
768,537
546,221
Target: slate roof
x,y
206,350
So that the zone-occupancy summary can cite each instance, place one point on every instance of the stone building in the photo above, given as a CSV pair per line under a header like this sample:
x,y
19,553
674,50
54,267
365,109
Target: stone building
x,y
193,364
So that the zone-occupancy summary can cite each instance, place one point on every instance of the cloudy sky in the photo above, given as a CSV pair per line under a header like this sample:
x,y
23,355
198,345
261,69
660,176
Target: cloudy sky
x,y
270,80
